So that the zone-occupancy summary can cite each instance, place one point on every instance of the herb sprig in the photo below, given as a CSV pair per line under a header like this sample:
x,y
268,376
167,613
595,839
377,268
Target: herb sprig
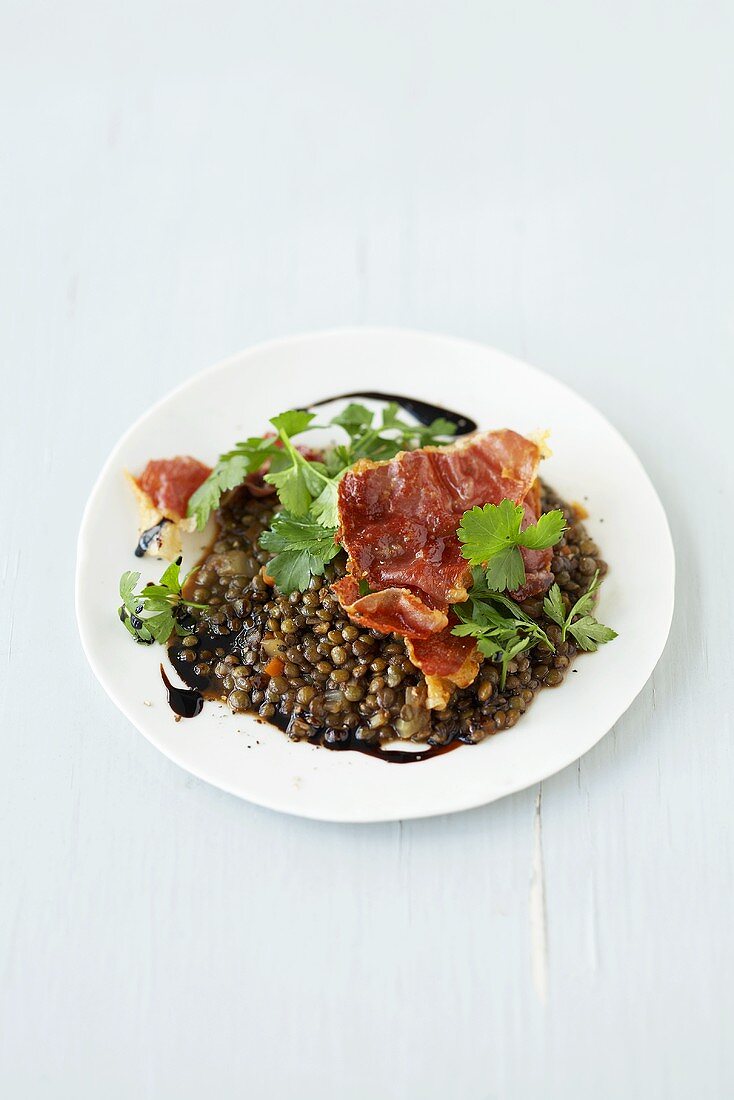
x,y
157,610
304,484
492,536
503,629
302,548
302,535
500,625
230,471
584,628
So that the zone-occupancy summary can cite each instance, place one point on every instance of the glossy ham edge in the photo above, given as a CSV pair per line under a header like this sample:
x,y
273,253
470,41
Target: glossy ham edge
x,y
391,611
446,662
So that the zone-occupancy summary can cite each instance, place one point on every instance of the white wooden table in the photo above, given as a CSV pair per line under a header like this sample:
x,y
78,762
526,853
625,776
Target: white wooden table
x,y
179,181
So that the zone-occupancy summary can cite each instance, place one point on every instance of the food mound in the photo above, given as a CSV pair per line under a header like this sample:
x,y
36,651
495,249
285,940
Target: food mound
x,y
392,585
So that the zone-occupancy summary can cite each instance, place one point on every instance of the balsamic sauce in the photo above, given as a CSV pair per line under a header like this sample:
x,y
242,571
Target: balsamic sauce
x,y
349,743
148,537
424,412
397,756
185,702
188,702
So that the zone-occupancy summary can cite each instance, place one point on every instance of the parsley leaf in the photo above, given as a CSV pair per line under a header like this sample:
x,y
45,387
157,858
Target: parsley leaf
x,y
545,533
301,482
292,422
499,624
154,613
491,535
587,631
302,547
487,530
590,634
297,480
354,418
230,471
554,606
506,569
585,604
326,506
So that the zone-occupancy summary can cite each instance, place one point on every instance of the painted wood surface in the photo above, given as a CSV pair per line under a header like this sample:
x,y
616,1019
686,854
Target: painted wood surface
x,y
179,181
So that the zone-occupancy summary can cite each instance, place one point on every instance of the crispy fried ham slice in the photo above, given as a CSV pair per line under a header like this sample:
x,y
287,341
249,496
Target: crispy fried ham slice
x,y
392,611
446,662
398,521
162,494
170,482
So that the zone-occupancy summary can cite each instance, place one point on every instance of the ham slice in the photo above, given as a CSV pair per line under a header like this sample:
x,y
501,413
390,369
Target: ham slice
x,y
162,494
398,521
446,662
392,611
170,482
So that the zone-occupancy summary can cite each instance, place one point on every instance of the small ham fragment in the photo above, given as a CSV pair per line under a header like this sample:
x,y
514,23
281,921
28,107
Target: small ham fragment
x,y
170,482
446,662
162,493
398,522
392,611
538,576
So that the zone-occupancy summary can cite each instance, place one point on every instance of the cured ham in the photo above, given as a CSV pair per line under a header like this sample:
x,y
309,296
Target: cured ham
x,y
538,577
170,482
398,521
162,494
398,518
446,662
393,610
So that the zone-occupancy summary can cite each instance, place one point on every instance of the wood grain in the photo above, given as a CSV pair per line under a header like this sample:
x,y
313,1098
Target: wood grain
x,y
179,182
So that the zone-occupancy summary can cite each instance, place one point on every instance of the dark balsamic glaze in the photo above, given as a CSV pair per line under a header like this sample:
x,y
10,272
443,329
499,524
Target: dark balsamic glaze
x,y
148,537
185,702
346,742
423,411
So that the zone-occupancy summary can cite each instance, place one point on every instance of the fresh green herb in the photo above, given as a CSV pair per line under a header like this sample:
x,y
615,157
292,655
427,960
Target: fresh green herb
x,y
369,440
229,472
153,613
492,536
501,627
304,486
310,486
583,627
302,547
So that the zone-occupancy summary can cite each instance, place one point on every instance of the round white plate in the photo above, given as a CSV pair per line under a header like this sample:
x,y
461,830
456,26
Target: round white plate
x,y
591,463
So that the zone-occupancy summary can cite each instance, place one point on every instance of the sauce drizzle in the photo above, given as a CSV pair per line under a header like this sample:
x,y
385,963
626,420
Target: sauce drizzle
x,y
423,411
148,537
185,702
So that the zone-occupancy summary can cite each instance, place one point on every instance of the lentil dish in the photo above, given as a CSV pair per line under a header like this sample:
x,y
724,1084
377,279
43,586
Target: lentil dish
x,y
399,589
338,684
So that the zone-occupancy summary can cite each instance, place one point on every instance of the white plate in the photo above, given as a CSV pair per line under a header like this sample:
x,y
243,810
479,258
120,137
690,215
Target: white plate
x,y
591,463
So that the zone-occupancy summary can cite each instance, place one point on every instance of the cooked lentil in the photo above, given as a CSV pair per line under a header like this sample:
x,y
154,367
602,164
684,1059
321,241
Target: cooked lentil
x,y
341,685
